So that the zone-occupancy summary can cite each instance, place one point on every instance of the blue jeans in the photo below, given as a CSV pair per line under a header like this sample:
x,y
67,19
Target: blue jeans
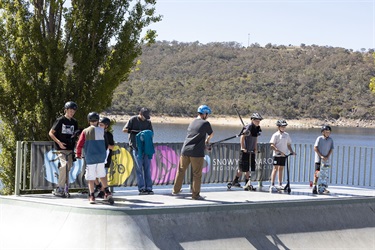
x,y
143,171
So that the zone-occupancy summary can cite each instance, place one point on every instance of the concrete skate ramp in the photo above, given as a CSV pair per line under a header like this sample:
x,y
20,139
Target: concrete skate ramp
x,y
346,223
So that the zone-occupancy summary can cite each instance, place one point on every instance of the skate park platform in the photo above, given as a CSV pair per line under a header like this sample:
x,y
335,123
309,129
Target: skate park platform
x,y
224,220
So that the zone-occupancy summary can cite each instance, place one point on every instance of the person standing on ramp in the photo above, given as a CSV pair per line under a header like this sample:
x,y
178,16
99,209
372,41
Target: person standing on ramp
x,y
281,142
248,143
140,127
62,133
198,136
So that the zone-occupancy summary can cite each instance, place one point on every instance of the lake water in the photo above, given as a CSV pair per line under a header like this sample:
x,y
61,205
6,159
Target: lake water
x,y
164,133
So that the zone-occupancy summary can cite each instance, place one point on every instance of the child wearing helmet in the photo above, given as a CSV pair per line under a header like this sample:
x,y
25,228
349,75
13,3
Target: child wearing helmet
x,y
105,122
63,134
248,143
323,148
92,143
280,144
198,136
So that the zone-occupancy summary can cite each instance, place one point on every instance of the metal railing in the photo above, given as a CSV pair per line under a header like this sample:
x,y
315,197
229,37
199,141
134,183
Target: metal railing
x,y
352,166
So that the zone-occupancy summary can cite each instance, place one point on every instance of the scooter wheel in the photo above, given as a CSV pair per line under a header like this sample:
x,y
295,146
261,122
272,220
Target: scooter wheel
x,y
67,195
229,186
289,190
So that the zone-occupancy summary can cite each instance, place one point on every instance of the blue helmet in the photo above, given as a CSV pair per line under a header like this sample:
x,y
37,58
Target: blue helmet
x,y
204,109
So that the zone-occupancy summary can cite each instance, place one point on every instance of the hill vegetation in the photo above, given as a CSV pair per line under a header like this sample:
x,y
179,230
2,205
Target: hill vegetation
x,y
174,78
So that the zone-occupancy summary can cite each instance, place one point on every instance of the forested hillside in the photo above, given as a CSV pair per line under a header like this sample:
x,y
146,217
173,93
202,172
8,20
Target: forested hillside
x,y
291,82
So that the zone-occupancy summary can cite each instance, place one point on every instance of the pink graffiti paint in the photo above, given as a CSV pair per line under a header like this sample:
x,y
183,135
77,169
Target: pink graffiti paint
x,y
164,165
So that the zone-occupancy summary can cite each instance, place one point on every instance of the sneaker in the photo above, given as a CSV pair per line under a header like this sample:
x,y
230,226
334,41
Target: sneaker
x,y
92,199
107,196
315,190
101,194
325,191
200,198
249,187
174,193
236,184
150,192
98,188
59,192
280,187
272,188
143,192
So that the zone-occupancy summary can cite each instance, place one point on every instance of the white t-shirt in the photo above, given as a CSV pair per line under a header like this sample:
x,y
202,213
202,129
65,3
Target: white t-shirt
x,y
281,141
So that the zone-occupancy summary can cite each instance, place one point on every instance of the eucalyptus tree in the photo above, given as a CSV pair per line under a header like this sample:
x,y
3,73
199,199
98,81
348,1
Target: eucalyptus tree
x,y
53,51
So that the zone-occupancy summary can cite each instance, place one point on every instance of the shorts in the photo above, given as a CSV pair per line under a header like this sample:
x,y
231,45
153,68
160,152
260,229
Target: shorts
x,y
94,171
279,161
317,166
244,164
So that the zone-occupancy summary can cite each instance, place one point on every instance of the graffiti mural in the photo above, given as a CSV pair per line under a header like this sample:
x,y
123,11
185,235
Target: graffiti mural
x,y
51,168
164,165
121,167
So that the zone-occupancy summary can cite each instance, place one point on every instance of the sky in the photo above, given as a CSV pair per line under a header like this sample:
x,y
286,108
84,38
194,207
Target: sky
x,y
337,23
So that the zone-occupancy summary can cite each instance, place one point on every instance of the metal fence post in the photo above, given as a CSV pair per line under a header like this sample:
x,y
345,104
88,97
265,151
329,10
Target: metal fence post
x,y
17,181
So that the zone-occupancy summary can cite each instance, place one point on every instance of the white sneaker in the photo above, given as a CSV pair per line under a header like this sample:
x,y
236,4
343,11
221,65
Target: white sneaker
x,y
173,193
325,191
200,198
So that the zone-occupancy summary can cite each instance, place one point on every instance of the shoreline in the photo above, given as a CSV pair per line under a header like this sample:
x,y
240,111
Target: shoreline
x,y
268,122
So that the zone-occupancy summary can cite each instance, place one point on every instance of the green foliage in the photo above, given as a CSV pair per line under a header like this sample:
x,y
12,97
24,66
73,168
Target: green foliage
x,y
372,81
278,81
50,54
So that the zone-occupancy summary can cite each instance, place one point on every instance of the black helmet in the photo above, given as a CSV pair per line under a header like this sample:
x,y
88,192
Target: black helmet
x,y
105,120
70,105
325,127
280,123
93,117
256,116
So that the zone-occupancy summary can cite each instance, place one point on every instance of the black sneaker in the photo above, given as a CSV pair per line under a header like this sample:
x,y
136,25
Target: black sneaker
x,y
236,184
315,190
100,194
143,192
98,188
150,192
